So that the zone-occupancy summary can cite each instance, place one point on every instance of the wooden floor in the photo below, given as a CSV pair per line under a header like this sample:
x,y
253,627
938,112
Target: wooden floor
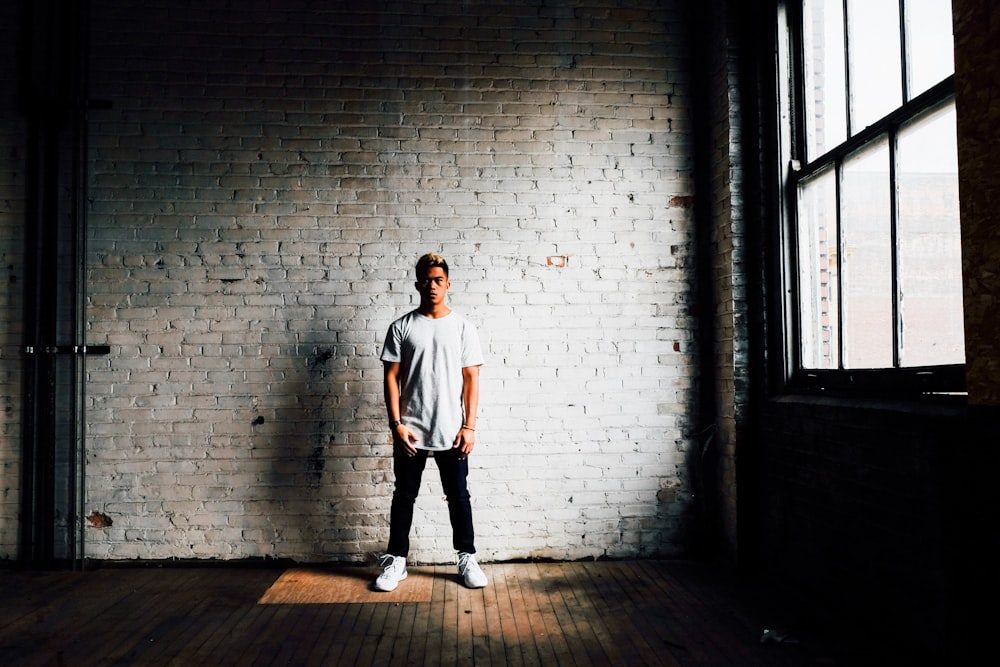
x,y
582,613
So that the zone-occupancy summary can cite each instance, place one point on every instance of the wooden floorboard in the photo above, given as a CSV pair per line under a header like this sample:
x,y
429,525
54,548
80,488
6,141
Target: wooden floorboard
x,y
505,626
660,613
582,614
575,612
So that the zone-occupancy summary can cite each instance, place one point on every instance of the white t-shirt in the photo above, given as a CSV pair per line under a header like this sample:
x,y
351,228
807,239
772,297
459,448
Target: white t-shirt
x,y
432,353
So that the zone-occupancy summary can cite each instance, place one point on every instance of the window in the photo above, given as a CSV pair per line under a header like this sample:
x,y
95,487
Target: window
x,y
873,195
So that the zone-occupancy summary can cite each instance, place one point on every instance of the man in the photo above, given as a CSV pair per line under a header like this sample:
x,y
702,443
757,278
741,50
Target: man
x,y
431,361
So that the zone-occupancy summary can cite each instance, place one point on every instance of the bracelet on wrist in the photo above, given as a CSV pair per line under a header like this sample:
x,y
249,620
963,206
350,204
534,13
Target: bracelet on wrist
x,y
468,428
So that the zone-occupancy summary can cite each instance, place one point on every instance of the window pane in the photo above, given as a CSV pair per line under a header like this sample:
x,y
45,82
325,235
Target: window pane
x,y
866,265
817,262
826,88
930,259
873,45
930,51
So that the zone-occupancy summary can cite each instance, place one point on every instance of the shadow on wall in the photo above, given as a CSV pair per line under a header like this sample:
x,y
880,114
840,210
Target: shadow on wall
x,y
322,482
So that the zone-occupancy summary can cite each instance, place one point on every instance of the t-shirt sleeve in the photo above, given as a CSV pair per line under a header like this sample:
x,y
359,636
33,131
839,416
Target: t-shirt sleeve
x,y
392,346
472,354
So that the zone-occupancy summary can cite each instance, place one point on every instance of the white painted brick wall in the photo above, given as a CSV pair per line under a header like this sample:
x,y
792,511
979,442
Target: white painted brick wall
x,y
260,192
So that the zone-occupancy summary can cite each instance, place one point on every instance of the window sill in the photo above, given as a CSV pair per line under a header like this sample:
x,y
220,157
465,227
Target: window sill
x,y
927,404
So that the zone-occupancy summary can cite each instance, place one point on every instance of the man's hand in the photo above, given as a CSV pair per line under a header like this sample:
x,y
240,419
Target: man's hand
x,y
403,439
464,442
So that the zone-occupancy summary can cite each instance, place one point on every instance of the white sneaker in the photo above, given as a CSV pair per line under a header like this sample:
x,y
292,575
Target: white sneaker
x,y
470,571
393,572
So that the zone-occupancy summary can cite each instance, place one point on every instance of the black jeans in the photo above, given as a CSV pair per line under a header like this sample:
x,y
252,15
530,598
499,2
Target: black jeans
x,y
454,473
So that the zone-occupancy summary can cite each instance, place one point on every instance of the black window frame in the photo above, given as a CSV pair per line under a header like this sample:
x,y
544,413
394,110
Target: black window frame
x,y
791,118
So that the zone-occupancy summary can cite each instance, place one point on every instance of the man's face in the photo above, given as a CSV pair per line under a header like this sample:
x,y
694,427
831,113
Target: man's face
x,y
433,287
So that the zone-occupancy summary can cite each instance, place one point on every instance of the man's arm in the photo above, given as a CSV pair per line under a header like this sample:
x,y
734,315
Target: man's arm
x,y
466,438
402,437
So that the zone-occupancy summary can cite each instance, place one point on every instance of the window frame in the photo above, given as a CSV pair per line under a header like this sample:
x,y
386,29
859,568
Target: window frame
x,y
794,169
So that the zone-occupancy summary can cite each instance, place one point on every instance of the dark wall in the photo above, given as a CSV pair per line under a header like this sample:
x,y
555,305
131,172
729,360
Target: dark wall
x,y
977,86
881,512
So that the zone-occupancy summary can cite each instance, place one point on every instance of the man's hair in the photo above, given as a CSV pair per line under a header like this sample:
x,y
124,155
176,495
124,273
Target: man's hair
x,y
429,261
